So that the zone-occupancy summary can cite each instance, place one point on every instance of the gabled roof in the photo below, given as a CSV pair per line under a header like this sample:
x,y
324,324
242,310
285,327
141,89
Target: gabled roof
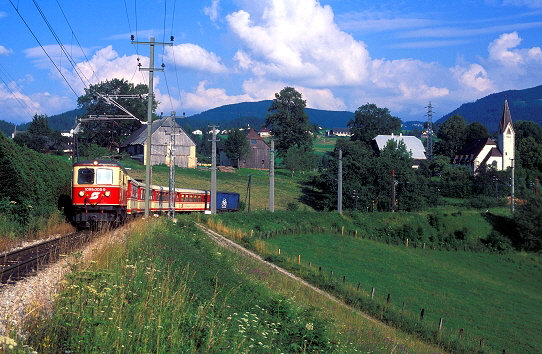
x,y
413,144
474,147
506,119
252,134
139,137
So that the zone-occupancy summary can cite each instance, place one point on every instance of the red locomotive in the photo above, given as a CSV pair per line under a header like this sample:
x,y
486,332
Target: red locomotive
x,y
103,192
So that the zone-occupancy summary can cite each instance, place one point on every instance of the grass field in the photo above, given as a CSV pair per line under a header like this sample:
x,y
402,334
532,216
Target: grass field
x,y
495,298
167,288
287,188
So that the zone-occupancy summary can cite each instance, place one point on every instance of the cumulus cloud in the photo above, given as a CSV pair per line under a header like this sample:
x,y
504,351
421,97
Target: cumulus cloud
x,y
194,57
473,76
298,41
205,98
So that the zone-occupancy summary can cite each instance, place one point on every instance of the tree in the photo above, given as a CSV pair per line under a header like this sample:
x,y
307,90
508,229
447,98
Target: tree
x,y
452,136
300,159
113,132
236,147
475,131
370,121
289,123
40,125
528,218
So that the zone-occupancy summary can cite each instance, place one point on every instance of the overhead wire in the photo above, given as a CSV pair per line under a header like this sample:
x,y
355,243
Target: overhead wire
x,y
174,61
77,40
62,47
24,105
163,54
45,51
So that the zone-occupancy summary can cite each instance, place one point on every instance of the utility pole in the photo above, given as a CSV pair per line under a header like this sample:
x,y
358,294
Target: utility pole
x,y
392,191
171,199
213,168
272,177
340,184
148,162
429,144
512,188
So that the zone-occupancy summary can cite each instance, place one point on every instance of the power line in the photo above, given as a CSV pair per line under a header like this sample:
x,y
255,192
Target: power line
x,y
48,56
77,40
68,56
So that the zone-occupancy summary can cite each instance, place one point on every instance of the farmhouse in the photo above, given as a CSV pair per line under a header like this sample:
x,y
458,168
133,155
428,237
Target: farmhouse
x,y
413,144
487,152
165,133
340,132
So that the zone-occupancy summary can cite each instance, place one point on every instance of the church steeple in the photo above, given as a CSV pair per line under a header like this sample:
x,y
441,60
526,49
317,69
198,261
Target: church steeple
x,y
506,137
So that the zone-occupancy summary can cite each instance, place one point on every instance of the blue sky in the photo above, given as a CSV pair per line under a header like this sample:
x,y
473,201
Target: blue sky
x,y
340,54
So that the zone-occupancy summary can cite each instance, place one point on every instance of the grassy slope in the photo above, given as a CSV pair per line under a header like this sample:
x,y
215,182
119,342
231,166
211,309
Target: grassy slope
x,y
492,296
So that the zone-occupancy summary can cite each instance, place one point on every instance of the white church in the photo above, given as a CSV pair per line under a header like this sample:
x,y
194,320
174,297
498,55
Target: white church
x,y
500,154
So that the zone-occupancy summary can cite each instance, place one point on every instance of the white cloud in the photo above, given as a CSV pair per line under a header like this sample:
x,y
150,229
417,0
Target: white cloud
x,y
298,41
474,76
194,57
212,11
206,98
535,4
5,51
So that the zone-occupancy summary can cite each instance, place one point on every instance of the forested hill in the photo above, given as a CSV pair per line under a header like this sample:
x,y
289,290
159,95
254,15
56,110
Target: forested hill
x,y
239,114
524,105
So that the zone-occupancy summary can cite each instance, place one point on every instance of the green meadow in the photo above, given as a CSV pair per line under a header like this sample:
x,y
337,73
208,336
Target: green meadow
x,y
168,288
493,299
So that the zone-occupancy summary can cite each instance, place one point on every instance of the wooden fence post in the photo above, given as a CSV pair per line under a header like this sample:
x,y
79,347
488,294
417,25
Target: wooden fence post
x,y
422,313
298,259
403,309
344,278
279,251
359,284
406,243
440,324
342,231
388,300
356,234
372,292
460,333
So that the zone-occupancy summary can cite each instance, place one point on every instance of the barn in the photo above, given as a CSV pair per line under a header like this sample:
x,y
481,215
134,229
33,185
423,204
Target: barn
x,y
164,134
259,153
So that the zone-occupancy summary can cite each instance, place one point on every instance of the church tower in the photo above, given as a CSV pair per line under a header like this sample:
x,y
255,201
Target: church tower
x,y
506,138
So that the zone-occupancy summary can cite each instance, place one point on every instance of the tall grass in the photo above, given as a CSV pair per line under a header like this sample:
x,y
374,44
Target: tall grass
x,y
167,289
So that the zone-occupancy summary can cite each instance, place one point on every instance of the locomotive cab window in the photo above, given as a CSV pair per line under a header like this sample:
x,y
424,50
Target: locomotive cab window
x,y
104,176
85,176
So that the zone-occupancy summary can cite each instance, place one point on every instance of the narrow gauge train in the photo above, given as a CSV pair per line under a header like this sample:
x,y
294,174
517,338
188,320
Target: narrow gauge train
x,y
103,192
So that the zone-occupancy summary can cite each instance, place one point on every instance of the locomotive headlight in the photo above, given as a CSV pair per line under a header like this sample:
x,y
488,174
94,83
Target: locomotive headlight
x,y
107,193
81,193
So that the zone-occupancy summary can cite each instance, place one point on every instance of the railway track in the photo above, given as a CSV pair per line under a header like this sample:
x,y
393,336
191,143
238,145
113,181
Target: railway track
x,y
17,264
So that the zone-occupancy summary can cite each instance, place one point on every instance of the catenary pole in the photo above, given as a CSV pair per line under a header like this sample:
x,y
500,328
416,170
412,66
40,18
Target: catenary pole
x,y
272,177
148,163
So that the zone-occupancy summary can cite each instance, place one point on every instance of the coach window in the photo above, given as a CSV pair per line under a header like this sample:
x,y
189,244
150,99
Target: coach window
x,y
85,176
104,176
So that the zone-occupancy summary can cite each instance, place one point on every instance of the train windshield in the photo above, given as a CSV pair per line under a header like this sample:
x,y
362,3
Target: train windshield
x,y
85,176
104,176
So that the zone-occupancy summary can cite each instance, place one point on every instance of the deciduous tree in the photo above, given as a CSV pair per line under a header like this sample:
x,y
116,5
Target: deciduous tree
x,y
370,121
288,121
236,147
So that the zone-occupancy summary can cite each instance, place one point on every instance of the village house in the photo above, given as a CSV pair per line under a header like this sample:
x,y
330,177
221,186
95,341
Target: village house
x,y
165,134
